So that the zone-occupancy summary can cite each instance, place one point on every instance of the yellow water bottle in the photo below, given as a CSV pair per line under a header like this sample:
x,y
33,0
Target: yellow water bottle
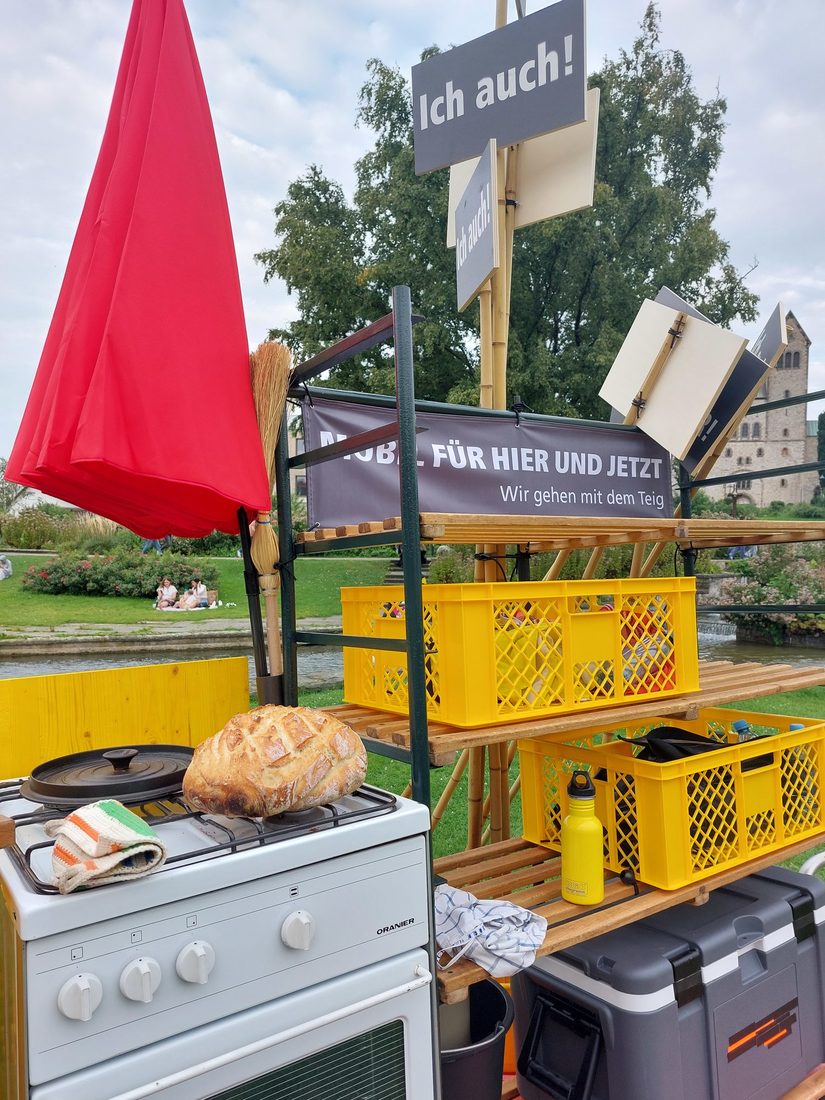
x,y
582,873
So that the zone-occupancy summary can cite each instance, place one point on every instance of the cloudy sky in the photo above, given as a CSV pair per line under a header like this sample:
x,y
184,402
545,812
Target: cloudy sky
x,y
283,77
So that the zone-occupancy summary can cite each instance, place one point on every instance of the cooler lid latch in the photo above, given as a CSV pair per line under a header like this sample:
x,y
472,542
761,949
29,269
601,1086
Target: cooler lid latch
x,y
687,975
804,921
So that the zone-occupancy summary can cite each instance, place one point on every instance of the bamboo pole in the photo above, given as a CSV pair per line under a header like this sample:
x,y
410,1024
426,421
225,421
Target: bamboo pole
x,y
592,563
555,569
494,311
507,169
510,193
495,797
638,558
652,558
508,756
485,397
500,289
458,770
485,306
515,787
475,792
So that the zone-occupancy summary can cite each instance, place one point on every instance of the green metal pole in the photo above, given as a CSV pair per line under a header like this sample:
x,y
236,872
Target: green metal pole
x,y
411,544
689,555
288,623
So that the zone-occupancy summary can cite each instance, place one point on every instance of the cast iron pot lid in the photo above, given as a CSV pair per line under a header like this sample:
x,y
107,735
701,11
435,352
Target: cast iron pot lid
x,y
135,774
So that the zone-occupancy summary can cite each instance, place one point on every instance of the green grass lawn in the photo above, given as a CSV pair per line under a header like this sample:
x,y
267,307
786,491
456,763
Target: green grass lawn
x,y
318,584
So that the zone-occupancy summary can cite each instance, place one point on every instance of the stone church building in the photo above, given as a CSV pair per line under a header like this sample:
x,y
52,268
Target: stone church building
x,y
773,439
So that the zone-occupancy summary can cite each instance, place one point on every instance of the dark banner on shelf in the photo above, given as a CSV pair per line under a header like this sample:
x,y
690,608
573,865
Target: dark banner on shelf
x,y
489,465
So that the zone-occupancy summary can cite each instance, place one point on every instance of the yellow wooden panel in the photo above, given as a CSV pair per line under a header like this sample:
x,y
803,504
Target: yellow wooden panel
x,y
42,717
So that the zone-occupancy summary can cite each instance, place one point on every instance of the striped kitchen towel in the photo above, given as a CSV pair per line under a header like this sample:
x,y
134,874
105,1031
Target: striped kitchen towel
x,y
498,935
100,843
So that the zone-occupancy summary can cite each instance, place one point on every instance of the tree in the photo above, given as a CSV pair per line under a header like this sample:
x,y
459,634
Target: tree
x,y
343,260
10,493
578,280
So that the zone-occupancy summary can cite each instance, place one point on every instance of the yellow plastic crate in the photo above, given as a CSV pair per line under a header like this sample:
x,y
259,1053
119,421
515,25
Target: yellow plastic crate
x,y
506,652
679,822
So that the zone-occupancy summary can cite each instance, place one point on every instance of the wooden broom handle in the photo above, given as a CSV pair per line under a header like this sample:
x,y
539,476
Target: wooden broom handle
x,y
6,832
273,633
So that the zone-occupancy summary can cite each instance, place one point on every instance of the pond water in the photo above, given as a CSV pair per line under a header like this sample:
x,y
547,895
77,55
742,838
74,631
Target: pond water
x,y
322,666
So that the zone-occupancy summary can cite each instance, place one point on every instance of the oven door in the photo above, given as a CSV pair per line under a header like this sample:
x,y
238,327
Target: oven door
x,y
365,1036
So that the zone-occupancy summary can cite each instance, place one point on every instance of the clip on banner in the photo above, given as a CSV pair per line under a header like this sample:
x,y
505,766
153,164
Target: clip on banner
x,y
491,465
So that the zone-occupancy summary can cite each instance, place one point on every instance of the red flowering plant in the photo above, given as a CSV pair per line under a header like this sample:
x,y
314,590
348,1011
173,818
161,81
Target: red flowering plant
x,y
123,573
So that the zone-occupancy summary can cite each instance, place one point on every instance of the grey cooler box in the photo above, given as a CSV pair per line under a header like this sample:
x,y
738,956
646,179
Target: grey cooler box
x,y
722,1001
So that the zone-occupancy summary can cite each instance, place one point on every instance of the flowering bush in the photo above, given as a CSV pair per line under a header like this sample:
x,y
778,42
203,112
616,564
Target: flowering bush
x,y
123,573
784,574
31,529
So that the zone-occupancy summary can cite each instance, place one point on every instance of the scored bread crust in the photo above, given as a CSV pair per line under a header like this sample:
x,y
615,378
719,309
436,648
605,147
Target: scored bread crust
x,y
274,759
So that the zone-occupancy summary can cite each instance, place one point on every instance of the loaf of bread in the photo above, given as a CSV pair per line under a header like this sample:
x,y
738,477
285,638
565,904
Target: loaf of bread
x,y
275,759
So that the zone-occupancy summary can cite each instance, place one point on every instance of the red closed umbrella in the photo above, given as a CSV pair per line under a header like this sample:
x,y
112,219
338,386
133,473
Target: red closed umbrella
x,y
141,408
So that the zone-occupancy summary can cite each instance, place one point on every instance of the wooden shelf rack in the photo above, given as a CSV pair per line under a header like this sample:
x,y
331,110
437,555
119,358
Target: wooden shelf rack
x,y
516,869
541,533
719,682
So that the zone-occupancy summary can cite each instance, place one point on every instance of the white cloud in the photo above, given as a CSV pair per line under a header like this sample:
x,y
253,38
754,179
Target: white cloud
x,y
283,81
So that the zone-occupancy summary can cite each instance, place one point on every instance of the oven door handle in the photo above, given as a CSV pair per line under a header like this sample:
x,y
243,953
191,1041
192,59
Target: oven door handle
x,y
422,978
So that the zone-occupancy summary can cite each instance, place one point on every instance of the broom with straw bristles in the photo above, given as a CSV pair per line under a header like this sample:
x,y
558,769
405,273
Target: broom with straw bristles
x,y
269,367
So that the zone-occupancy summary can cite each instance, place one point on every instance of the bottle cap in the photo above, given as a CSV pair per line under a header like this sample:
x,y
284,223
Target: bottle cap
x,y
581,786
795,726
739,725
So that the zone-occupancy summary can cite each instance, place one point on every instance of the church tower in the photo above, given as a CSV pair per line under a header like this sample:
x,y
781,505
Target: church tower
x,y
773,439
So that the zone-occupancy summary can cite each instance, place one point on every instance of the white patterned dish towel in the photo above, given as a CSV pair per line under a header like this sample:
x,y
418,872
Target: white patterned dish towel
x,y
101,843
499,936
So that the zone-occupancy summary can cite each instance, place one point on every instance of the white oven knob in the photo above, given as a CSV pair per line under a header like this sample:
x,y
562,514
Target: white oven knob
x,y
140,979
195,962
80,996
298,929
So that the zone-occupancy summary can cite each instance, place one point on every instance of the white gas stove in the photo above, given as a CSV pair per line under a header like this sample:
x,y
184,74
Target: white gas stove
x,y
269,959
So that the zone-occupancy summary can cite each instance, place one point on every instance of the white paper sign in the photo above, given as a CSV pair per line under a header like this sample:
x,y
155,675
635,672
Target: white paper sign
x,y
555,172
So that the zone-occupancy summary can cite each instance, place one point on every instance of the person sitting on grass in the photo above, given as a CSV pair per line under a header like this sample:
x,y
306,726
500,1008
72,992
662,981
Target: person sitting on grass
x,y
6,569
195,597
167,594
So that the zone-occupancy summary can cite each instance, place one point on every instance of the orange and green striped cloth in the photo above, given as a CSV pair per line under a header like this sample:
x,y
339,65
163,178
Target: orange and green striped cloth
x,y
100,843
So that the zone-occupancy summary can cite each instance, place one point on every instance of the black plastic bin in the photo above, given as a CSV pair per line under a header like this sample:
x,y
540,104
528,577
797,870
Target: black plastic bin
x,y
474,1071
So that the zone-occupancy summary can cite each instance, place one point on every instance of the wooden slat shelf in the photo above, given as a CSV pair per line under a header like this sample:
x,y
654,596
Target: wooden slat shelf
x,y
719,682
392,729
540,533
528,875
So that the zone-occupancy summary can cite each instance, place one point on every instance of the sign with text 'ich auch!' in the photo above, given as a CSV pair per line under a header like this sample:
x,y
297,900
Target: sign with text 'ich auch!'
x,y
556,172
523,79
740,389
489,465
476,235
667,377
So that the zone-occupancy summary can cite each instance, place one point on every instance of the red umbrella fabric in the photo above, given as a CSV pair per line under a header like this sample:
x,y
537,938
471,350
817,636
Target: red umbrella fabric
x,y
141,409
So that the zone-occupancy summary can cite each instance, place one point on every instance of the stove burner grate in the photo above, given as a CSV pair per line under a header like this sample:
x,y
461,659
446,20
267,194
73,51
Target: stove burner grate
x,y
223,835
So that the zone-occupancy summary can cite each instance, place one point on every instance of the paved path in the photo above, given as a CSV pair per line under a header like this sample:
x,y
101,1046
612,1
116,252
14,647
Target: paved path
x,y
163,631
